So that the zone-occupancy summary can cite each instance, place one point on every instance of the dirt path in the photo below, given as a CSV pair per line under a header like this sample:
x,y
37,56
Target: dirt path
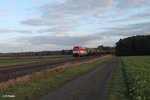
x,y
91,86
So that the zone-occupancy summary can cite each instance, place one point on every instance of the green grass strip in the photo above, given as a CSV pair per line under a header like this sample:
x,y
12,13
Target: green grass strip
x,y
118,89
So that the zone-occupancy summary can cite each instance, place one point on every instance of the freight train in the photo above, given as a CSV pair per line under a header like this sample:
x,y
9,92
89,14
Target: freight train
x,y
79,51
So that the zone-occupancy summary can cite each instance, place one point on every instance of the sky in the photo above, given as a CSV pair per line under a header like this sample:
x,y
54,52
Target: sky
x,y
37,25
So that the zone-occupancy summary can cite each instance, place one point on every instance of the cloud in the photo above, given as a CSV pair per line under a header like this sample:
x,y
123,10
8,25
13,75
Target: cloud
x,y
14,31
59,40
12,1
3,10
48,42
77,6
60,29
39,22
70,11
128,4
53,42
65,16
64,23
129,30
141,16
24,47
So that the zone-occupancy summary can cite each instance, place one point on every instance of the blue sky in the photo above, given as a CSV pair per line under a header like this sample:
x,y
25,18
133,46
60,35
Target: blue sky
x,y
35,25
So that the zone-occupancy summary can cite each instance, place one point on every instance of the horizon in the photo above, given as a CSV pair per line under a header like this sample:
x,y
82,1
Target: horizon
x,y
50,50
51,25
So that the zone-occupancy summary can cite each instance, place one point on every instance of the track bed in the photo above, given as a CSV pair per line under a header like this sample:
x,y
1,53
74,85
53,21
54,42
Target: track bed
x,y
14,71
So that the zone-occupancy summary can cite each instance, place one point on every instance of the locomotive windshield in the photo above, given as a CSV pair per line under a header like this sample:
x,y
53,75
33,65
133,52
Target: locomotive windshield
x,y
76,49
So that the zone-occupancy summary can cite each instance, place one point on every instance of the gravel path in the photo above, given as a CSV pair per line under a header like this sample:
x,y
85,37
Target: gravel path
x,y
91,86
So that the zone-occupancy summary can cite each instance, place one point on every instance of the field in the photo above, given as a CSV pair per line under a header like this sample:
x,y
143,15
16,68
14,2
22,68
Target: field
x,y
8,61
137,74
131,79
41,83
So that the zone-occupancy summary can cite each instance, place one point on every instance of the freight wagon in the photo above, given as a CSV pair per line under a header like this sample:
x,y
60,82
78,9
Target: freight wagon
x,y
79,51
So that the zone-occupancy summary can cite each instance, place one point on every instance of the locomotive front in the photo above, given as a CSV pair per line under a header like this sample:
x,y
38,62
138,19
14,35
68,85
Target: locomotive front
x,y
79,51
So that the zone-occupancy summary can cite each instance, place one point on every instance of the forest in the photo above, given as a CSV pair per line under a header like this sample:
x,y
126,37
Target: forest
x,y
133,46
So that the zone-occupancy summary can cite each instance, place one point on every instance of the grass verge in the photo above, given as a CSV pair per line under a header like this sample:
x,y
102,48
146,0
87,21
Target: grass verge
x,y
118,89
47,81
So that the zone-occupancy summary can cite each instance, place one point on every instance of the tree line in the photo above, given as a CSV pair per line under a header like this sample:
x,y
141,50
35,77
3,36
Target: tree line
x,y
109,50
135,45
40,53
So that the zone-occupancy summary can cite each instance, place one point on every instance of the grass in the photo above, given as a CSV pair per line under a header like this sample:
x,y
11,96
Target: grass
x,y
118,89
14,61
49,81
131,79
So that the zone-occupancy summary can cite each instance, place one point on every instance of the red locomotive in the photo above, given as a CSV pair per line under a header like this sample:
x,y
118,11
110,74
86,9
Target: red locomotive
x,y
79,51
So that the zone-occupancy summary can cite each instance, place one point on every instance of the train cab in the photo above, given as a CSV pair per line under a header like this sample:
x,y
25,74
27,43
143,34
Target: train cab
x,y
79,51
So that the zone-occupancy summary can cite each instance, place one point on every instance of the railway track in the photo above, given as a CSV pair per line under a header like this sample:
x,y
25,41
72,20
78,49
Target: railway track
x,y
14,71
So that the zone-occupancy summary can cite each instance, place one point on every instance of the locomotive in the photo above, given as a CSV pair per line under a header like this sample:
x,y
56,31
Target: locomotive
x,y
79,51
